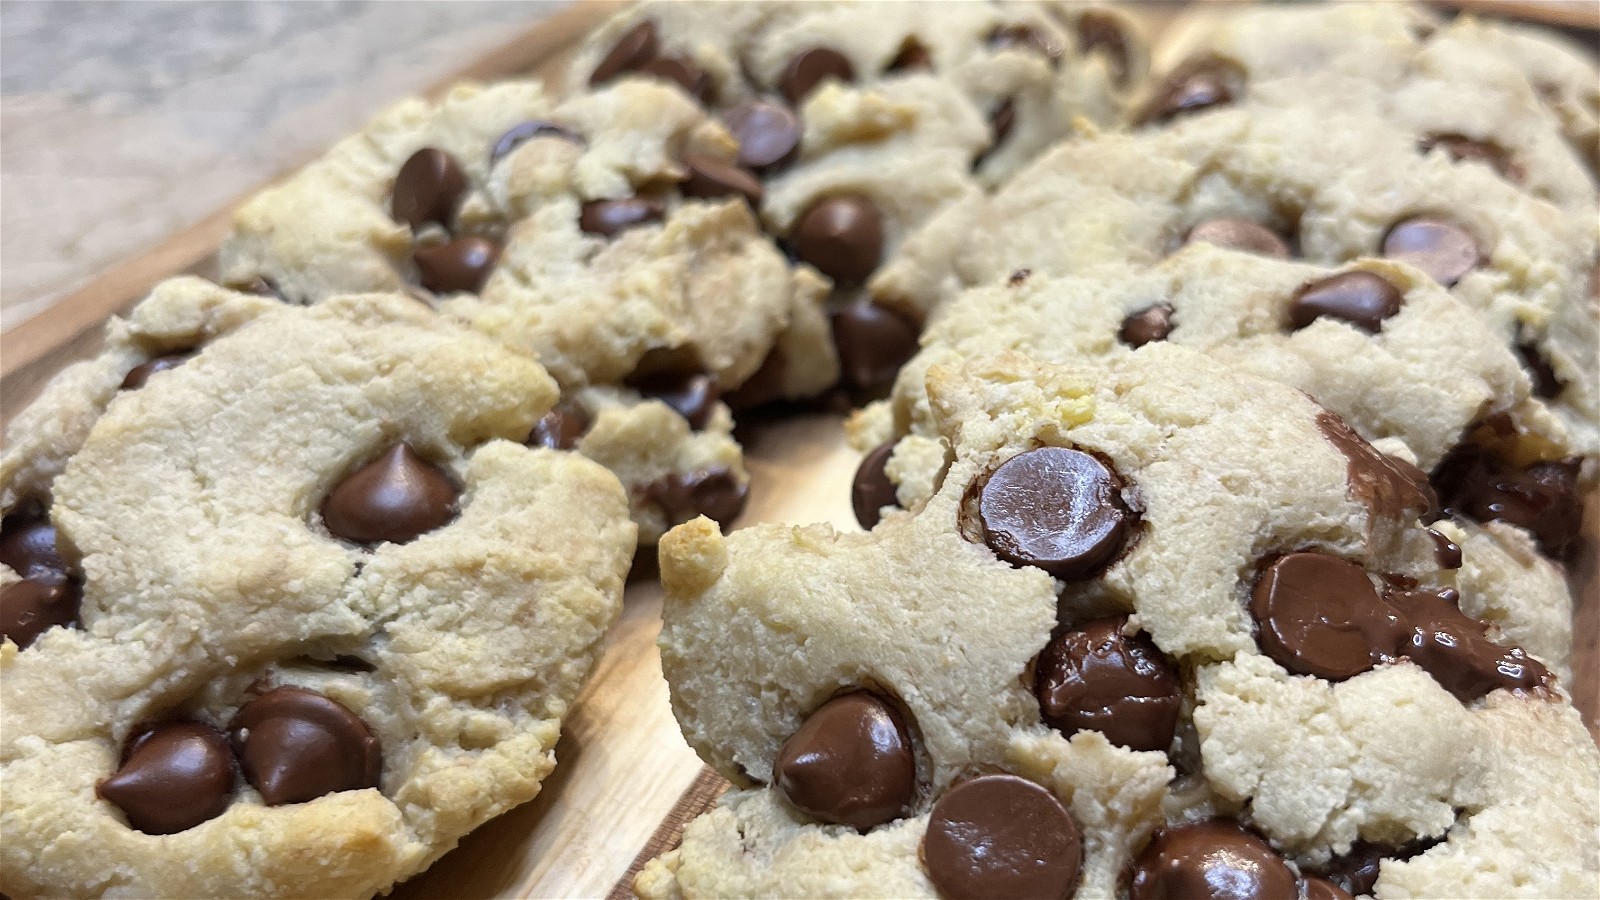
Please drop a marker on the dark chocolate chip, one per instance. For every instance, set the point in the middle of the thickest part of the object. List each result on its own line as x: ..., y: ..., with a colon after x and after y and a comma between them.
x: 141, y: 373
x: 682, y: 71
x: 521, y: 133
x: 1055, y: 508
x: 1389, y: 487
x: 850, y: 763
x: 1320, y: 615
x: 463, y: 264
x: 297, y: 745
x: 1446, y: 553
x: 1153, y: 323
x: 1441, y: 249
x: 1002, y: 836
x: 1027, y: 38
x: 1101, y: 32
x: 1213, y: 858
x: 912, y: 57
x: 1542, y: 498
x: 610, y: 217
x: 1450, y: 645
x: 809, y: 68
x: 692, y: 395
x: 764, y: 386
x: 1356, y: 871
x: 1198, y: 84
x: 174, y: 776
x: 637, y: 46
x: 1096, y: 678
x: 768, y: 134
x: 560, y: 428
x: 872, y: 490
x: 842, y: 236
x: 1464, y: 149
x: 1545, y: 382
x: 28, y: 543
x: 1361, y: 298
x: 873, y: 343
x: 713, y: 177
x: 1239, y: 234
x: 31, y: 606
x: 712, y: 492
x: 394, y: 498
x: 428, y: 188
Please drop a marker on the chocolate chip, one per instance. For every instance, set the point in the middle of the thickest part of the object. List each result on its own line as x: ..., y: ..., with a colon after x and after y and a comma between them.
x: 809, y: 68
x: 427, y: 189
x: 713, y: 177
x: 1058, y: 509
x: 174, y: 776
x: 1451, y: 646
x: 1356, y: 871
x: 1542, y: 498
x: 1101, y: 32
x: 463, y: 264
x: 1239, y: 234
x: 842, y: 236
x: 34, y: 605
x: 768, y: 134
x: 394, y: 498
x: 1388, y: 487
x: 1001, y: 122
x: 850, y: 763
x: 297, y: 745
x: 1446, y: 553
x: 1545, y: 382
x: 764, y: 386
x: 1441, y: 249
x: 141, y: 373
x: 1320, y: 615
x: 1211, y: 858
x: 521, y: 133
x: 1027, y: 38
x: 1002, y: 836
x: 28, y: 543
x: 683, y: 72
x: 873, y: 343
x: 610, y: 217
x: 912, y: 57
x: 712, y: 492
x: 1198, y: 84
x: 637, y: 46
x: 693, y: 395
x: 260, y: 285
x: 1464, y: 149
x: 1096, y: 678
x: 560, y: 428
x: 1322, y: 889
x: 1153, y: 323
x: 1360, y: 298
x: 872, y: 490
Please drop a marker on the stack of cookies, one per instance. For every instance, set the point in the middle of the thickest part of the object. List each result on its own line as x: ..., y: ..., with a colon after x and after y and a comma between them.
x: 1226, y: 406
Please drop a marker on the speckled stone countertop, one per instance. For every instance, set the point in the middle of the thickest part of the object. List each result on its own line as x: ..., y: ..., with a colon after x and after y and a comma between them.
x: 121, y: 123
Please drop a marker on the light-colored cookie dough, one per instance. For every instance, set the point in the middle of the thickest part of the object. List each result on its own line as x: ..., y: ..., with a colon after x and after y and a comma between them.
x: 192, y: 513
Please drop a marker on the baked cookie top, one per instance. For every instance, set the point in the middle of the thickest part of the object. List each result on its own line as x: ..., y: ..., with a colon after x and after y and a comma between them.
x: 303, y: 592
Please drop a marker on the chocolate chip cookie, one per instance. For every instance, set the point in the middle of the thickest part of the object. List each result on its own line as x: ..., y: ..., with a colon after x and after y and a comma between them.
x: 292, y: 615
x: 1139, y: 589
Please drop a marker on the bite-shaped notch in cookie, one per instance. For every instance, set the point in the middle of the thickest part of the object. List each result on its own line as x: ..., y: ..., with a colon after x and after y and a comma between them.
x: 1060, y: 509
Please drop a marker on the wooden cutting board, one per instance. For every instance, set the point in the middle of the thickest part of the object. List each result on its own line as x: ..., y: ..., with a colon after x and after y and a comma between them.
x: 626, y: 781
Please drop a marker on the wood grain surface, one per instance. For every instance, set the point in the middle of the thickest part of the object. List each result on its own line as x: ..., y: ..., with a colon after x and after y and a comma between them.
x: 626, y: 782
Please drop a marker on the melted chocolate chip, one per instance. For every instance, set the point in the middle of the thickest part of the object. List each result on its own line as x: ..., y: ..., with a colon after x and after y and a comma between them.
x: 1545, y: 382
x: 1441, y: 249
x: 713, y: 177
x: 1026, y: 38
x: 1058, y: 509
x: 1388, y: 487
x: 1465, y: 149
x: 842, y: 236
x: 912, y: 57
x: 611, y: 217
x: 1542, y: 498
x: 1446, y: 553
x: 1002, y: 836
x: 712, y: 492
x: 809, y: 68
x: 1153, y: 323
x: 1213, y: 858
x: 1320, y: 615
x: 850, y: 763
x: 427, y: 189
x: 394, y: 498
x: 174, y: 776
x: 33, y: 605
x: 1356, y: 871
x: 637, y: 46
x: 28, y: 544
x: 1096, y: 678
x: 873, y: 343
x: 692, y: 395
x: 1198, y: 84
x: 872, y: 490
x: 768, y: 134
x: 1239, y: 234
x: 521, y: 133
x: 683, y: 72
x: 1451, y: 646
x: 138, y: 375
x: 463, y: 264
x: 296, y: 745
x: 1361, y: 298
x: 1101, y: 32
x: 559, y: 429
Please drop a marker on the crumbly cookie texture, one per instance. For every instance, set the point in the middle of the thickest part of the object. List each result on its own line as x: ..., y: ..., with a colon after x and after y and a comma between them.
x: 1186, y: 485
x: 214, y: 521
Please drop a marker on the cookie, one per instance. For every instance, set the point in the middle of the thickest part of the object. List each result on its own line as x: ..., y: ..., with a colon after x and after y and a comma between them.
x: 307, y: 594
x: 1069, y: 634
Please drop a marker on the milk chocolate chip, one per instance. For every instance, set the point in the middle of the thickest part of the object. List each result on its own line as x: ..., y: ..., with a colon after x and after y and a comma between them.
x: 808, y: 68
x: 173, y: 776
x: 1320, y: 615
x: 1027, y: 38
x: 1097, y: 678
x: 713, y: 492
x: 1360, y: 298
x: 28, y: 543
x: 297, y: 745
x: 1239, y: 234
x: 1443, y: 250
x: 1002, y: 836
x: 1451, y: 646
x: 1198, y: 84
x: 1388, y: 487
x: 637, y: 46
x: 1465, y: 149
x: 1213, y: 858
x: 1058, y: 509
x: 611, y: 217
x: 521, y: 133
x: 682, y: 71
x: 463, y: 264
x: 1542, y: 498
x: 427, y: 189
x: 394, y: 498
x: 873, y: 343
x: 872, y: 490
x: 33, y: 605
x: 768, y: 134
x: 692, y: 395
x: 912, y: 57
x: 842, y: 236
x: 850, y: 763
x: 1153, y: 323
x: 138, y: 375
x: 713, y: 177
x: 559, y: 429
